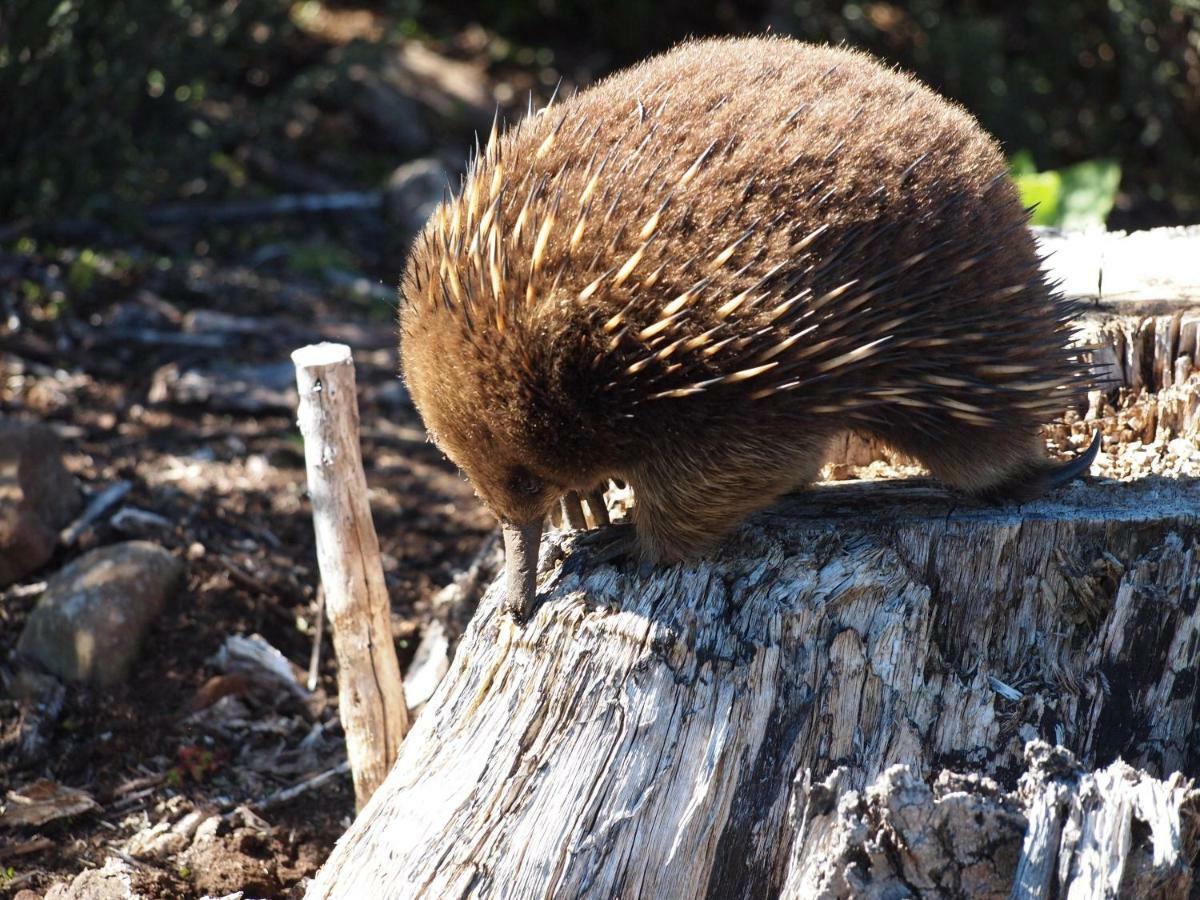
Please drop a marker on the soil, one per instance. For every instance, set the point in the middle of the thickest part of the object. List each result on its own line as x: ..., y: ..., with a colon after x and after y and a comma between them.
x: 230, y: 488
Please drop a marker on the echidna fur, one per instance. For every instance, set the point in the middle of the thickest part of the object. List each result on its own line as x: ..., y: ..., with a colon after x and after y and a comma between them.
x: 695, y: 273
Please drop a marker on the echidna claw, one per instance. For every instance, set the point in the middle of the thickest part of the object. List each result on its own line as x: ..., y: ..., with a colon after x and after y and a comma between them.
x: 607, y: 544
x: 1074, y: 468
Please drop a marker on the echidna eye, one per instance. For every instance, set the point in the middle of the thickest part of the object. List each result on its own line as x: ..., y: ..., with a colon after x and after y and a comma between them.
x: 524, y: 482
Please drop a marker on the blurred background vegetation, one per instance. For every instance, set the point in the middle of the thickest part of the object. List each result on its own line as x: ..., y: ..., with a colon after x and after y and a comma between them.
x: 111, y: 107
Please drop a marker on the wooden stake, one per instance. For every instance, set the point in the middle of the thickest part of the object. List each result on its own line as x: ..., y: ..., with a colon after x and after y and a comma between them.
x: 370, y: 692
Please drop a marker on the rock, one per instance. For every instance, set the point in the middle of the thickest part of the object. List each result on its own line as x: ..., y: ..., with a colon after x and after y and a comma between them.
x: 44, y: 801
x: 451, y: 90
x: 89, y: 622
x: 227, y: 387
x: 37, y: 497
x: 413, y: 193
x: 406, y: 96
x: 113, y: 882
x: 391, y: 114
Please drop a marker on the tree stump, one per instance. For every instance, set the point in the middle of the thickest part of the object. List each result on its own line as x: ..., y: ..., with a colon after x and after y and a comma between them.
x: 732, y: 728
x: 873, y: 689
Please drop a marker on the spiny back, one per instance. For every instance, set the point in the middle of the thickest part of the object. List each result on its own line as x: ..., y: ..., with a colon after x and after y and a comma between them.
x: 753, y: 228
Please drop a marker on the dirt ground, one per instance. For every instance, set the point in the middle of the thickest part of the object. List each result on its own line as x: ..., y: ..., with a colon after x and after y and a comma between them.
x: 159, y: 353
x: 229, y: 486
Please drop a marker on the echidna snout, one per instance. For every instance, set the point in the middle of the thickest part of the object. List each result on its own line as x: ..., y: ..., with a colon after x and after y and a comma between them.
x: 696, y: 273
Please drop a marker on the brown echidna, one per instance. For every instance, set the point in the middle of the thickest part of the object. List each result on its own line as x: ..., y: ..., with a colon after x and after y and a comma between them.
x: 693, y: 274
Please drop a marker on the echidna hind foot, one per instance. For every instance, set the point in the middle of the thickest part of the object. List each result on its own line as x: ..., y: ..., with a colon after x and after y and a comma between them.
x: 1037, y: 478
x: 994, y: 465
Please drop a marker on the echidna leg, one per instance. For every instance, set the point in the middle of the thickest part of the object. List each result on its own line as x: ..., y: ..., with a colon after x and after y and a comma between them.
x: 573, y: 511
x: 597, y: 507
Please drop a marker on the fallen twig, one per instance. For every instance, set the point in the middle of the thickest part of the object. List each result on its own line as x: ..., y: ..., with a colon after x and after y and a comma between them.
x: 156, y: 336
x: 282, y: 206
x: 131, y: 515
x: 137, y: 784
x: 247, y: 580
x: 97, y: 507
x: 17, y: 591
x: 272, y: 208
x: 290, y: 793
x: 34, y: 845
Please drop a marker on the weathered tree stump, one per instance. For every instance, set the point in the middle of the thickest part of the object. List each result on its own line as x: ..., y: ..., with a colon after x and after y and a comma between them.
x: 709, y: 730
x: 859, y: 695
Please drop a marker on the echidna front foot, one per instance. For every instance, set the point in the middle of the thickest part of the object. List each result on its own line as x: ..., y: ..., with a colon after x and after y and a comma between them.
x: 609, y: 543
x: 571, y: 511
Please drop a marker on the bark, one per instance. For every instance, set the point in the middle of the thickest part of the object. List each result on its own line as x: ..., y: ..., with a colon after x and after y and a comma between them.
x: 731, y: 728
x: 370, y: 693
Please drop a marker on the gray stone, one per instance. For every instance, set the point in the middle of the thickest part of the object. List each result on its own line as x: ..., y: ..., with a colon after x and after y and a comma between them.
x: 413, y: 193
x: 37, y: 497
x: 88, y: 624
x: 227, y: 387
x: 392, y: 115
x: 115, y: 881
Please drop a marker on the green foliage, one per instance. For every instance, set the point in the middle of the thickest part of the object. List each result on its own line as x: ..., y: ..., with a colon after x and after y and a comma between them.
x: 1078, y: 196
x: 1089, y: 190
x: 1073, y: 80
x: 314, y: 259
x: 105, y: 102
x: 110, y: 104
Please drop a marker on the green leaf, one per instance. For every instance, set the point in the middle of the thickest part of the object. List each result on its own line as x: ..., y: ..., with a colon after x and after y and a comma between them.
x: 1042, y: 190
x: 1077, y: 197
x: 1088, y: 192
x: 1022, y: 164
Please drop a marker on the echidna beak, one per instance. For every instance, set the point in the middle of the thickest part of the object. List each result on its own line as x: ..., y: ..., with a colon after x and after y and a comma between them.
x: 521, y: 544
x: 1073, y: 468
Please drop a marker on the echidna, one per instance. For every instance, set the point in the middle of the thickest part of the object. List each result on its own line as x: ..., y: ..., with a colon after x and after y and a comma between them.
x: 693, y: 274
